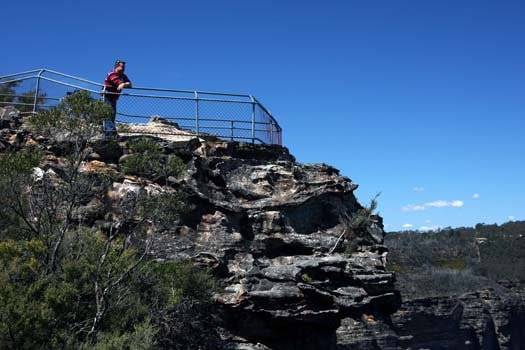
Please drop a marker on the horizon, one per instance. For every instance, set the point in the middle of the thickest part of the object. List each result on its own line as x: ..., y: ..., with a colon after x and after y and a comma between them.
x: 442, y: 229
x: 422, y: 102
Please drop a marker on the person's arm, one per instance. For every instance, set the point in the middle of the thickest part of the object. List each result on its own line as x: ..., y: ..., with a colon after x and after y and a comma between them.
x: 124, y: 85
x: 125, y: 82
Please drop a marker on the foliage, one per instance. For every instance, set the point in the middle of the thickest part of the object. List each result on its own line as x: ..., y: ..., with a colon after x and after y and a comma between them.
x: 187, y: 320
x: 145, y: 145
x: 148, y: 160
x: 53, y: 309
x: 64, y: 285
x: 363, y: 217
x: 183, y: 282
x: 78, y: 116
x: 143, y: 337
x: 141, y: 165
x: 164, y: 209
x: 15, y: 176
x: 358, y: 225
x: 56, y: 310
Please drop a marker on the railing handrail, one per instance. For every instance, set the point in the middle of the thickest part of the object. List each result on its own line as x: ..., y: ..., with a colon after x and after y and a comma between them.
x: 39, y: 74
x: 43, y: 70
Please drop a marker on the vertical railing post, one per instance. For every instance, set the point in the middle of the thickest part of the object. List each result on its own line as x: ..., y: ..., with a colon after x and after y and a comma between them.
x: 253, y: 118
x: 197, y: 113
x: 231, y: 130
x: 37, y: 88
x: 271, y: 131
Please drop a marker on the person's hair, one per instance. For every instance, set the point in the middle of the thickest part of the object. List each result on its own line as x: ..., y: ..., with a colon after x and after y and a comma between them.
x: 117, y: 62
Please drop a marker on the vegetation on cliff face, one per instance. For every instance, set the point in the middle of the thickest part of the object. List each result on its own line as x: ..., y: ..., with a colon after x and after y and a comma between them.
x: 148, y: 161
x: 454, y: 261
x: 68, y: 284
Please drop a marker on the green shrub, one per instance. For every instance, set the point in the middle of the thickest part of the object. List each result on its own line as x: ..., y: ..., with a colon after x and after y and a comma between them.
x: 356, y: 231
x: 15, y: 176
x: 141, y: 165
x: 54, y: 310
x: 147, y: 160
x: 183, y: 281
x: 144, y: 145
x: 143, y: 337
x: 174, y: 166
x: 164, y: 209
x: 78, y: 116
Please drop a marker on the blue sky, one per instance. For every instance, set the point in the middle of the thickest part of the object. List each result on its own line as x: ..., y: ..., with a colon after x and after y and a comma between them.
x: 422, y: 101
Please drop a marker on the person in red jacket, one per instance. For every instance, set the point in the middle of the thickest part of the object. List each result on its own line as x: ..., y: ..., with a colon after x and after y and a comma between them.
x: 115, y: 81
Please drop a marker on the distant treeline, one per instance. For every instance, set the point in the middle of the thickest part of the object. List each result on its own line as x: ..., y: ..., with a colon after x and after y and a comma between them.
x: 456, y: 260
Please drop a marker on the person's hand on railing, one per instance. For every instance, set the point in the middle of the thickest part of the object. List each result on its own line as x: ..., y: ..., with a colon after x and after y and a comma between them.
x: 123, y: 85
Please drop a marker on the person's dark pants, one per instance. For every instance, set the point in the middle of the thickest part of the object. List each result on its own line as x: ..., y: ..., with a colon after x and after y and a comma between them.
x: 113, y: 103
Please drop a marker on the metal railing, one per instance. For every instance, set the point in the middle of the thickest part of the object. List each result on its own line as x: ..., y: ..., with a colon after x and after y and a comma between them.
x: 227, y: 116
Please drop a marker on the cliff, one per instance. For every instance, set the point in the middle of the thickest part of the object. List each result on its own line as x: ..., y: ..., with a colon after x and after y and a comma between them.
x: 275, y: 233
x: 279, y: 236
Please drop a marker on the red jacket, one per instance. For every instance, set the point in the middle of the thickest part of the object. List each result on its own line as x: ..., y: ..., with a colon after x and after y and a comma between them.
x: 113, y: 80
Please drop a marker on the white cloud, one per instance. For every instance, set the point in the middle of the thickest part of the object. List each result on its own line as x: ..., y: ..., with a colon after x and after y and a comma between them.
x: 475, y: 195
x: 418, y: 189
x: 441, y: 204
x: 412, y: 207
x: 428, y: 221
x: 511, y: 218
x: 430, y: 228
x: 435, y: 204
x: 407, y: 226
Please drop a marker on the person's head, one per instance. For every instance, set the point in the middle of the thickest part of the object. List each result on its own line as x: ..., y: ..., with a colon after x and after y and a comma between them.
x: 120, y: 66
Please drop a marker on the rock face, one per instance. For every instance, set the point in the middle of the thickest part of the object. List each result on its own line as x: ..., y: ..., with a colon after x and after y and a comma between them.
x: 486, y: 320
x: 274, y: 232
x: 267, y: 225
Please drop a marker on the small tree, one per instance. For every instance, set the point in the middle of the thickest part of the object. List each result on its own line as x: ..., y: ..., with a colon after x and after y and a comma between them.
x: 357, y: 226
x: 78, y: 119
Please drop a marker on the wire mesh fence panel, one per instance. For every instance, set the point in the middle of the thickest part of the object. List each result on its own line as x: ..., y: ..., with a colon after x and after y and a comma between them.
x: 225, y: 119
x: 234, y: 117
x: 134, y: 112
x: 54, y: 93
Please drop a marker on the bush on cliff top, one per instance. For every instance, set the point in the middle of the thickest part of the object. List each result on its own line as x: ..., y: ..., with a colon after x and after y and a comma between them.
x: 148, y: 160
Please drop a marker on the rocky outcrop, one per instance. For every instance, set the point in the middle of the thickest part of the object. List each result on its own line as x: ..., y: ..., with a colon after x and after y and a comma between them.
x: 274, y: 232
x: 267, y: 225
